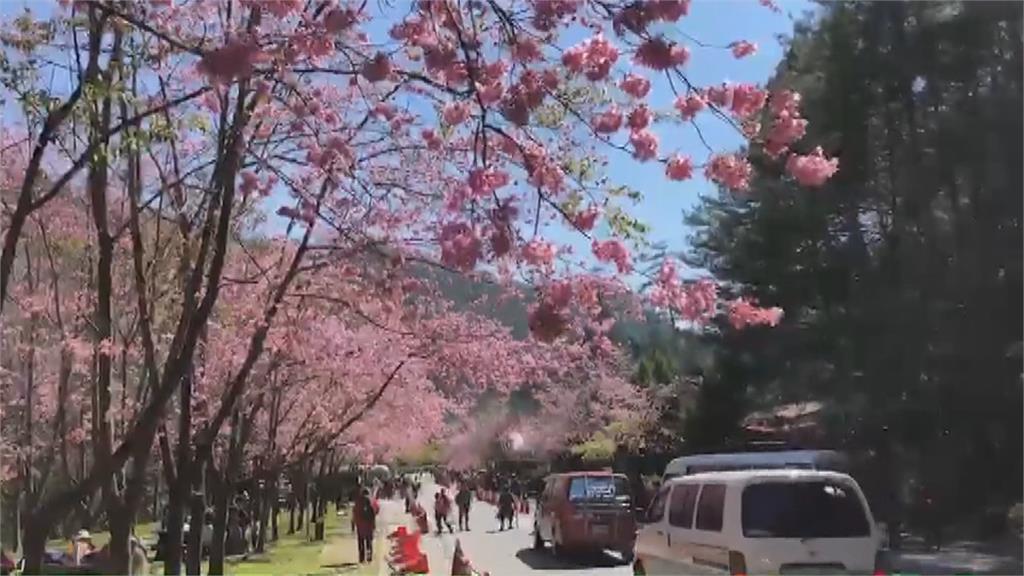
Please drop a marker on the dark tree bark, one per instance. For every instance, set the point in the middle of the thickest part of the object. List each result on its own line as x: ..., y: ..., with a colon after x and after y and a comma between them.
x: 197, y: 522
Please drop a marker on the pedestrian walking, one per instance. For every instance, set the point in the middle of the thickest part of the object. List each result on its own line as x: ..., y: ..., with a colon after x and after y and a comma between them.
x: 442, y: 508
x: 364, y: 522
x: 462, y: 500
x: 506, y: 508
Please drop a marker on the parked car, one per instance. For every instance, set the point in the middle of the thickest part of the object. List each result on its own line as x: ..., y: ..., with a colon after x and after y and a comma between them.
x: 585, y: 511
x: 759, y: 522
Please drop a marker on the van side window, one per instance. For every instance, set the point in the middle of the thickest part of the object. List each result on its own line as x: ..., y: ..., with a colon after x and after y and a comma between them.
x: 709, y: 510
x: 680, y: 512
x: 656, y: 511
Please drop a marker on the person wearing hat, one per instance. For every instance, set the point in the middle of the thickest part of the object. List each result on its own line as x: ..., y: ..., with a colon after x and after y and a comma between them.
x: 81, y: 546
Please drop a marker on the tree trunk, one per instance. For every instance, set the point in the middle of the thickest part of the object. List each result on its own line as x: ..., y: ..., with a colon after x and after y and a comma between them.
x: 197, y: 521
x: 174, y: 529
x: 178, y: 492
x: 34, y: 543
x: 221, y: 493
x: 119, y: 547
x: 273, y: 515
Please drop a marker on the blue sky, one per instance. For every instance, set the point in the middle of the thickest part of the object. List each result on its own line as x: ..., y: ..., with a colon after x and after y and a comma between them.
x: 714, y: 22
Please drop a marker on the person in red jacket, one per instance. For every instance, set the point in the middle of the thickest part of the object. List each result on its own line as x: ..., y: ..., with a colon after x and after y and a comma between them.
x: 364, y: 522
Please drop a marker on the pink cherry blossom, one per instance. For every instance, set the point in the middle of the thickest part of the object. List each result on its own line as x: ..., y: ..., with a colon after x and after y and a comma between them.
x: 548, y: 13
x: 461, y: 248
x: 640, y: 117
x: 679, y: 168
x: 785, y: 101
x: 585, y: 219
x: 484, y: 181
x: 635, y: 85
x: 235, y: 59
x: 613, y: 251
x: 729, y: 170
x: 742, y: 48
x: 575, y: 58
x: 743, y: 313
x: 431, y: 138
x: 378, y: 68
x: 721, y: 95
x: 645, y: 145
x: 338, y: 20
x: 526, y: 50
x: 249, y: 182
x: 670, y: 10
x: 785, y: 130
x: 689, y: 105
x: 594, y: 57
x: 501, y: 241
x: 539, y: 253
x: 609, y: 121
x: 546, y: 322
x: 694, y: 301
x: 491, y: 92
x: 455, y: 113
x: 747, y: 100
x: 660, y: 54
x: 812, y: 169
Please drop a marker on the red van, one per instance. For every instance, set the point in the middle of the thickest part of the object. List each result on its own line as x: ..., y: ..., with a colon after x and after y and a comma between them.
x: 585, y: 510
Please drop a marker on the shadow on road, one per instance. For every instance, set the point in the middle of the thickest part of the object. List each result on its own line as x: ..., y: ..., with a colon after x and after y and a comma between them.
x: 546, y: 560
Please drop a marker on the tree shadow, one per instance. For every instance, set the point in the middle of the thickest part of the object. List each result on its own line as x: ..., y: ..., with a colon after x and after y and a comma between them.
x: 546, y: 560
x: 342, y: 567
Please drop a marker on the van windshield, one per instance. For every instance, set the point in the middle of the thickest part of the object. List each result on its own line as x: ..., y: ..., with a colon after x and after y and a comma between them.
x: 818, y: 509
x: 598, y: 489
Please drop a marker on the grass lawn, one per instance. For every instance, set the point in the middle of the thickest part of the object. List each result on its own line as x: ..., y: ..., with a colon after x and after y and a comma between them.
x: 291, y: 554
x: 294, y: 554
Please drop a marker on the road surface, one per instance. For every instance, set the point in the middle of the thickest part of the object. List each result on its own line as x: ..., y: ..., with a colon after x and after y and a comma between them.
x: 505, y: 553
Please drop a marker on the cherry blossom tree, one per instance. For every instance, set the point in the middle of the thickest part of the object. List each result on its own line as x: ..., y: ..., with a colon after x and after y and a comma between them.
x: 456, y: 140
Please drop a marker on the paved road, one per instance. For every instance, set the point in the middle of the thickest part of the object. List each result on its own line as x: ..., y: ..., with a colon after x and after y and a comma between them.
x: 508, y: 552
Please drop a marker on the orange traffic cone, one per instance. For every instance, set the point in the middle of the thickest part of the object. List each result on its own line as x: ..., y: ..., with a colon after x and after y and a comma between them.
x: 417, y: 566
x: 460, y: 565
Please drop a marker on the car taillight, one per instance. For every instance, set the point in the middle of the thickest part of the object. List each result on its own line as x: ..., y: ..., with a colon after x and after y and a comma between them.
x: 737, y: 563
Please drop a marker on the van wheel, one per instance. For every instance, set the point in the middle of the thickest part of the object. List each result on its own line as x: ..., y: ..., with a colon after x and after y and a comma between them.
x: 538, y: 542
x: 627, y: 556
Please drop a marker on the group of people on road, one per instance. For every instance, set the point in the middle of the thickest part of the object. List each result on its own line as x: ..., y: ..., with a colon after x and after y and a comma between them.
x: 365, y: 506
x: 443, y: 507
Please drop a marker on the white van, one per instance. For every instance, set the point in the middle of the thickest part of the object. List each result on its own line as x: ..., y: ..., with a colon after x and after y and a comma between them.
x: 758, y: 522
x: 789, y: 459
